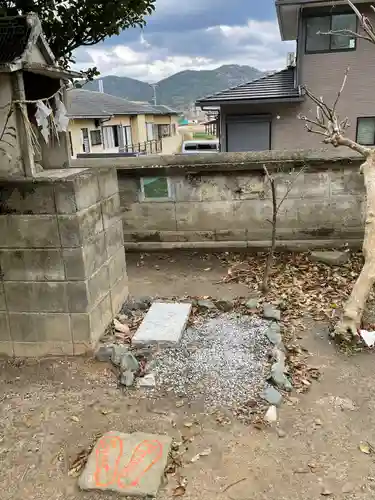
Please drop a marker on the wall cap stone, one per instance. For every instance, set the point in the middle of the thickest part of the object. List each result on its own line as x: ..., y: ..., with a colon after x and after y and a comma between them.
x: 221, y: 162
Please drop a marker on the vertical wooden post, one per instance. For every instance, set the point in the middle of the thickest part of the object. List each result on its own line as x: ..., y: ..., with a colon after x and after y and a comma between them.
x: 23, y: 131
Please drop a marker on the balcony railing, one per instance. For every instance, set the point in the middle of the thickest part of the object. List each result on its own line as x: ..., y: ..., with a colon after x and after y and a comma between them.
x: 148, y: 147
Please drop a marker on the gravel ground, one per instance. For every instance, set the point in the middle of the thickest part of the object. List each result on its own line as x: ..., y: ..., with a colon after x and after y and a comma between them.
x: 222, y: 361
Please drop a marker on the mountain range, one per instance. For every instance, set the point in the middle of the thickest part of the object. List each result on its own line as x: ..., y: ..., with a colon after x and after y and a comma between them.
x: 180, y: 90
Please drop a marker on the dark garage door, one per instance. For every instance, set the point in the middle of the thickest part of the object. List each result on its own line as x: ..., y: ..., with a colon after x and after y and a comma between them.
x: 248, y: 133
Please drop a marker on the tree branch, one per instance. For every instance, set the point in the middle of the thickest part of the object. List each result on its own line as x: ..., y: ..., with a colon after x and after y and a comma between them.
x: 341, y: 90
x: 290, y: 188
x: 345, y: 141
x: 328, y: 124
x: 344, y: 32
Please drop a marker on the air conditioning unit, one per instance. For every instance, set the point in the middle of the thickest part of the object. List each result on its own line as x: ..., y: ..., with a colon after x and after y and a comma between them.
x: 290, y: 59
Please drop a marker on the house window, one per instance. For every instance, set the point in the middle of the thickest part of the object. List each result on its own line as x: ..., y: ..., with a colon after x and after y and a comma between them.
x: 164, y: 131
x: 155, y: 188
x: 330, y: 43
x: 108, y: 139
x: 115, y: 136
x: 150, y: 131
x: 96, y: 137
x: 366, y: 131
x: 85, y: 140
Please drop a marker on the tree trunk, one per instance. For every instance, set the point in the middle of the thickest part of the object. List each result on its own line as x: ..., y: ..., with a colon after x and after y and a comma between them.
x: 269, y: 260
x: 353, y: 310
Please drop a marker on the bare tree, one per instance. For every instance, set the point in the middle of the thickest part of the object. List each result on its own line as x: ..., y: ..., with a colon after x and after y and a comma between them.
x: 328, y: 124
x: 275, y: 212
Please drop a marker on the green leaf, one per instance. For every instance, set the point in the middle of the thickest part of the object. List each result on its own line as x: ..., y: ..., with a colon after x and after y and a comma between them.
x: 77, y: 24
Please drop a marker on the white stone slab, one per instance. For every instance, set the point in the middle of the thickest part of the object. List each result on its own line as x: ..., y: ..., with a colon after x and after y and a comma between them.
x: 163, y: 324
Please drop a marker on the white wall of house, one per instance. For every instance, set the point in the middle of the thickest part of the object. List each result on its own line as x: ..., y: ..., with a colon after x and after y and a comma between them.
x: 119, y: 132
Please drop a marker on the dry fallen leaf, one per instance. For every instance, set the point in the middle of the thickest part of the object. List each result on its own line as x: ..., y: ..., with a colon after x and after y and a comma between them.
x: 365, y: 448
x: 179, y: 491
x: 306, y: 288
x: 121, y: 327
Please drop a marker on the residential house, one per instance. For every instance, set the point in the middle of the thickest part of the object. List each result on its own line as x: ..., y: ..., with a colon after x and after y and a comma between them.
x: 262, y: 114
x: 102, y: 123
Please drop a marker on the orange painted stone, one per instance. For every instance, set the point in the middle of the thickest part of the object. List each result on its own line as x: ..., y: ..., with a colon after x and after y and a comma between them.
x: 129, y: 464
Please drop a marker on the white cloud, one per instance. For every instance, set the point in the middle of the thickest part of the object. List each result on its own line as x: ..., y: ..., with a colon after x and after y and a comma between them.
x: 168, y: 7
x: 264, y: 31
x: 256, y: 43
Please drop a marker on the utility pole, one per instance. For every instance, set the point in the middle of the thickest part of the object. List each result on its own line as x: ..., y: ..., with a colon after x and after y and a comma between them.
x: 154, y: 85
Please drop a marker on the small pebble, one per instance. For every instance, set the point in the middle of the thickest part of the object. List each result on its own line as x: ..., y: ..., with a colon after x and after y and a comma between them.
x: 302, y: 471
x: 280, y: 433
x: 147, y: 381
x: 326, y: 492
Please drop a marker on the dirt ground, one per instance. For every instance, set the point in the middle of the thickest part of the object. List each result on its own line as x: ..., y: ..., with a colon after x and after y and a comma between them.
x: 52, y: 409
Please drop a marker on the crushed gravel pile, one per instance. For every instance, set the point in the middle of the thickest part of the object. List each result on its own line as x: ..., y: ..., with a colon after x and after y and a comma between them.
x: 222, y: 361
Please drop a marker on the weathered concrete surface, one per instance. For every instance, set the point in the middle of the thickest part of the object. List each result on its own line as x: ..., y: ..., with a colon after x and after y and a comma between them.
x: 163, y: 324
x: 332, y: 258
x: 128, y: 464
x: 216, y: 206
x: 62, y: 259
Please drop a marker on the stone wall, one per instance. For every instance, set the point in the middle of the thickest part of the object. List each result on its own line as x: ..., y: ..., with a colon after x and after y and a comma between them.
x: 63, y: 271
x: 224, y: 201
x: 212, y: 207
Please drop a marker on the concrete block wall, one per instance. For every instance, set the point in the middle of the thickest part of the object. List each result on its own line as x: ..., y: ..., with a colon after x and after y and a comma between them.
x: 62, y: 259
x: 223, y: 208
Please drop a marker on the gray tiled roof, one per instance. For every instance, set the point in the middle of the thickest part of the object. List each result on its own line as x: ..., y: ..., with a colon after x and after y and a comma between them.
x: 91, y: 104
x: 165, y: 110
x: 278, y: 85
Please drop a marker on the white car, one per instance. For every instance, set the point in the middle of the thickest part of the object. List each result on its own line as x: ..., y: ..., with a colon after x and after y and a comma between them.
x: 200, y: 146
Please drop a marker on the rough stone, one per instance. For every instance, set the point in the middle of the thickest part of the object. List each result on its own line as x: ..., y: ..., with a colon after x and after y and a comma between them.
x: 272, y: 396
x: 129, y: 362
x: 132, y: 304
x: 163, y: 324
x: 332, y: 258
x: 278, y: 355
x: 278, y: 376
x: 252, y: 304
x: 224, y: 305
x: 118, y: 352
x: 127, y: 378
x: 270, y: 312
x: 127, y: 464
x: 274, y: 335
x: 104, y: 353
x: 206, y: 304
x: 271, y: 415
x: 147, y: 381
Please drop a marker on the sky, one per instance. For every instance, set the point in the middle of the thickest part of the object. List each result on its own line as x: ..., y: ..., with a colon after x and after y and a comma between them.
x: 192, y: 34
